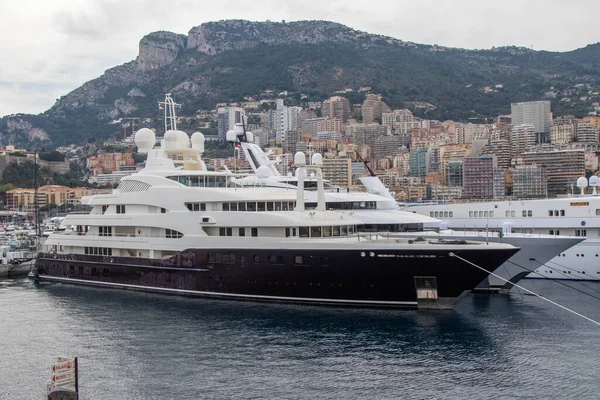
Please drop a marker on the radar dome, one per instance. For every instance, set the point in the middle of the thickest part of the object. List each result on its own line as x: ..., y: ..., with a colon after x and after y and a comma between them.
x: 300, y: 158
x: 170, y: 139
x: 317, y: 159
x: 144, y: 140
x: 183, y: 140
x: 238, y: 129
x: 594, y: 180
x: 198, y: 141
x: 249, y: 137
x: 582, y: 184
x: 230, y: 136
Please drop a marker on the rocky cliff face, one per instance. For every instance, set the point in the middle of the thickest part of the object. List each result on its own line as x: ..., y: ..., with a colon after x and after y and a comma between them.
x: 159, y: 49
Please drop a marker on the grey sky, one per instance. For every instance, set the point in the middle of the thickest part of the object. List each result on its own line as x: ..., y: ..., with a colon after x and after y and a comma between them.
x: 51, y: 47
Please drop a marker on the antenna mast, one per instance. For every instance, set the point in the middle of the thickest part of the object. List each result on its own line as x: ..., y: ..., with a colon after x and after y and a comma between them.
x: 169, y: 106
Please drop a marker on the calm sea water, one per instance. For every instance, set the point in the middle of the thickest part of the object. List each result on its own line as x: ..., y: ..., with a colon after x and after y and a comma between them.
x: 143, y: 346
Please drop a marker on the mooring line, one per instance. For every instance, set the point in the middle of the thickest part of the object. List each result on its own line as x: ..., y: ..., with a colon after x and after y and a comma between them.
x: 525, y: 289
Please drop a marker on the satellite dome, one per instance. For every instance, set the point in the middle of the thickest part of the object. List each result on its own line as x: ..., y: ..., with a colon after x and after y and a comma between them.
x: 183, y: 140
x: 317, y: 159
x: 249, y: 137
x: 238, y: 129
x: 170, y: 139
x: 198, y: 141
x: 594, y: 180
x: 230, y: 136
x: 582, y: 182
x: 144, y: 140
x: 300, y: 158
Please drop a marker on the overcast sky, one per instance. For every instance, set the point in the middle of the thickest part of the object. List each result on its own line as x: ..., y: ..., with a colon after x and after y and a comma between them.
x: 50, y: 47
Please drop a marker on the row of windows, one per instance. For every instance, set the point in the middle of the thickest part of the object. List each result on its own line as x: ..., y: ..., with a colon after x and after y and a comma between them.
x: 120, y: 208
x: 241, y: 232
x: 325, y: 231
x: 260, y: 206
x: 196, y: 206
x: 347, y: 205
x: 298, y: 260
x: 98, y: 251
x: 226, y: 258
x: 441, y: 214
x: 201, y: 181
x: 105, y: 231
x: 481, y: 214
x: 561, y: 213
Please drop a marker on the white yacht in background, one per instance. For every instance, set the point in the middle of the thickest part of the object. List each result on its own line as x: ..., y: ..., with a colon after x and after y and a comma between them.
x: 378, y: 209
x: 574, y: 216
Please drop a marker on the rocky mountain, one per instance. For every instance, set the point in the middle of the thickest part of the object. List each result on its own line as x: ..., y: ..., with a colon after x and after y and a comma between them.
x: 227, y: 60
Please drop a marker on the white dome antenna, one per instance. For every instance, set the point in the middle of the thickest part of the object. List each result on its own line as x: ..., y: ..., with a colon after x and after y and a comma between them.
x: 198, y: 140
x: 594, y: 183
x: 145, y: 140
x: 300, y: 158
x: 582, y: 183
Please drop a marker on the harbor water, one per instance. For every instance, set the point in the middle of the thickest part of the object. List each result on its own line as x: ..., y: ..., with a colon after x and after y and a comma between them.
x: 143, y: 346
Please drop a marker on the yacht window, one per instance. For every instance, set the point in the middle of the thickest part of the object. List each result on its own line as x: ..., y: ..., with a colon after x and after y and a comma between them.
x: 557, y: 232
x: 205, y: 220
x: 562, y: 213
x: 242, y: 206
x: 233, y: 206
x: 486, y: 214
x: 104, y: 208
x: 163, y: 210
x: 225, y: 206
x: 221, y: 231
x: 491, y: 213
x: 120, y: 208
x: 303, y: 231
x: 431, y: 214
x: 550, y: 213
x: 183, y: 180
x: 173, y: 234
x: 251, y: 206
x: 298, y: 260
x: 193, y: 181
x: 293, y: 231
x: 105, y: 231
x: 507, y: 213
x: 551, y: 232
x: 326, y: 231
x: 445, y: 214
x: 269, y: 206
x: 315, y: 231
x: 580, y: 232
x: 261, y: 206
x: 597, y: 211
x: 229, y: 231
x: 256, y: 259
x: 242, y: 232
x: 556, y: 213
x: 287, y: 232
x: 344, y: 230
x: 351, y: 230
x: 275, y: 259
x: 437, y: 214
x: 529, y: 213
x: 480, y: 214
x: 324, y: 261
x: 277, y: 206
x: 513, y: 213
x: 190, y: 206
x: 524, y: 212
x: 292, y: 205
x: 284, y: 206
x: 451, y: 214
x: 471, y: 214
x: 254, y: 232
x: 336, y: 230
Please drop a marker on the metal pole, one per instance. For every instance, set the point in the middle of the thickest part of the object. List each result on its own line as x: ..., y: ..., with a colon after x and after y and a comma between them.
x: 35, y: 194
x: 77, y: 377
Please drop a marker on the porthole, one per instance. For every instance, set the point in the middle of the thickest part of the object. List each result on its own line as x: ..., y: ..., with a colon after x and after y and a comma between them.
x: 583, y: 272
x: 577, y: 255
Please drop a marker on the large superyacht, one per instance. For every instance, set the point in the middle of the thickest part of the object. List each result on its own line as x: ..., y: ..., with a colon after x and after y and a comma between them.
x: 177, y: 228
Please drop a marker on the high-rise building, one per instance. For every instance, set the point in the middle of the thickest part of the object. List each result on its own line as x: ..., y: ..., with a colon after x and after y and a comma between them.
x: 336, y: 107
x: 522, y: 139
x: 386, y: 146
x: 536, y: 113
x: 365, y: 134
x: 478, y: 177
x: 563, y: 167
x: 529, y: 181
x: 586, y: 133
x: 373, y: 108
x: 338, y: 171
x: 454, y: 173
x: 418, y: 162
x: 227, y: 117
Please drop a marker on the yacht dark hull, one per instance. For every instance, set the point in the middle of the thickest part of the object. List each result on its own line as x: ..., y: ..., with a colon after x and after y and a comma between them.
x: 381, y: 278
